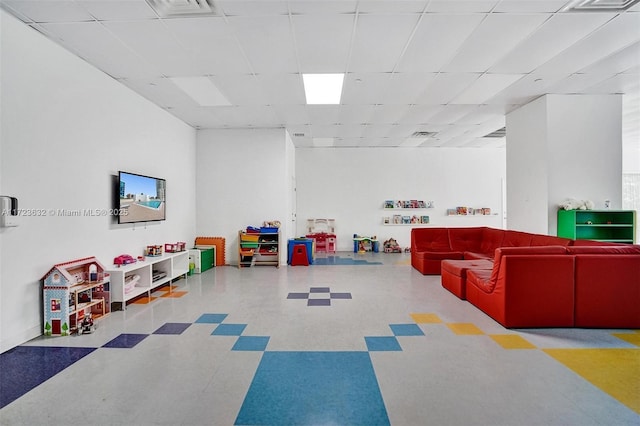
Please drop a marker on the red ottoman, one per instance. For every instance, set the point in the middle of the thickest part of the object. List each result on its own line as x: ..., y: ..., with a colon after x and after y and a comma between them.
x: 454, y: 274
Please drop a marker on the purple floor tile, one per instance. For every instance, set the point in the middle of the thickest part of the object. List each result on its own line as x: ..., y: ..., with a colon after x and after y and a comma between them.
x: 319, y: 302
x: 319, y: 290
x: 298, y: 296
x: 341, y: 295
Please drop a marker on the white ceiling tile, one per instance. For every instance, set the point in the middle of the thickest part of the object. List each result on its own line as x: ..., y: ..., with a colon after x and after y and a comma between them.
x: 378, y: 50
x: 323, y: 114
x: 529, y: 6
x: 404, y: 88
x: 253, y: 7
x: 376, y: 130
x: 554, y: 36
x: 487, y: 86
x: 526, y: 89
x: 50, y: 11
x: 493, y: 38
x: 267, y: 43
x: 449, y: 114
x: 436, y: 40
x: 482, y: 114
x: 220, y: 54
x: 389, y: 114
x: 445, y: 87
x: 161, y: 91
x: 92, y: 41
x: 323, y: 7
x: 282, y: 88
x: 152, y: 41
x: 401, y: 131
x: 355, y: 114
x: 419, y: 115
x: 395, y: 7
x: 327, y: 53
x: 348, y: 130
x: 293, y: 116
x: 625, y: 60
x: 621, y: 83
x: 461, y: 5
x: 364, y: 89
x: 618, y: 33
x: 241, y: 89
x: 577, y: 83
x: 125, y: 10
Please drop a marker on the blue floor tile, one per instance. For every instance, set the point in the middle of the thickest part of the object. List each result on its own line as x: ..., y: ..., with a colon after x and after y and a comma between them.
x: 382, y: 343
x: 25, y: 367
x: 173, y: 328
x: 319, y: 290
x: 337, y: 260
x: 319, y: 302
x: 125, y: 341
x: 298, y: 296
x: 305, y: 388
x: 251, y: 343
x: 229, y: 330
x: 341, y: 295
x: 406, y: 330
x: 211, y: 318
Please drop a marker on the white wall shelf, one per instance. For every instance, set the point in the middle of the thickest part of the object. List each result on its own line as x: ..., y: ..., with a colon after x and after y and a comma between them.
x: 167, y: 267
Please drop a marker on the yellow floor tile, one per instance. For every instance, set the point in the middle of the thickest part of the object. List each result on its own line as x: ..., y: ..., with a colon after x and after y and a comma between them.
x: 426, y: 318
x: 512, y: 341
x: 464, y: 328
x: 614, y: 371
x: 633, y: 338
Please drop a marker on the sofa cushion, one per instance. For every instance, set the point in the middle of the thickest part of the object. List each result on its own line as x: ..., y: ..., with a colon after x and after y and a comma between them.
x: 430, y: 239
x: 516, y: 239
x: 591, y: 243
x: 439, y: 255
x: 470, y: 255
x: 491, y: 240
x: 465, y: 239
x: 621, y: 249
x: 505, y: 251
x: 481, y: 278
x: 549, y: 240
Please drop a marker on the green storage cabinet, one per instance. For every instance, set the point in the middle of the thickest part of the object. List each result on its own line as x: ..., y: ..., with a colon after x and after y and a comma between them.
x: 615, y: 226
x: 204, y: 258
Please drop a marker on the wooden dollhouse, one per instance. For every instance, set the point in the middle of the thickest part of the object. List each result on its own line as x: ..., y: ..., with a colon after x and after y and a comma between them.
x: 72, y: 291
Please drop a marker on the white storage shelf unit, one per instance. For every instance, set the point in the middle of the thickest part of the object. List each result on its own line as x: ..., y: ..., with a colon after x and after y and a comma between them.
x: 169, y: 265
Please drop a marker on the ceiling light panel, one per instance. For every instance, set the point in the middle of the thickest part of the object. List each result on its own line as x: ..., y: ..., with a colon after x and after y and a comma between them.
x: 487, y: 86
x: 323, y: 89
x: 436, y: 40
x: 554, y: 36
x: 378, y: 41
x: 267, y: 42
x: 202, y: 90
x: 494, y: 38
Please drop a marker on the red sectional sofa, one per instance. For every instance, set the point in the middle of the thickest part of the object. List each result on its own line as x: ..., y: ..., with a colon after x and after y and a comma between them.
x: 534, y: 280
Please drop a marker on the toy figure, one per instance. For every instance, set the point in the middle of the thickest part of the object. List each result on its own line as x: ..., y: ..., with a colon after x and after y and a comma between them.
x: 86, y: 326
x: 392, y: 246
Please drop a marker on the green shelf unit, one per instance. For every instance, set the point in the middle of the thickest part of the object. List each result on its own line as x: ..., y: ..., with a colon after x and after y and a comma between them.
x: 615, y: 226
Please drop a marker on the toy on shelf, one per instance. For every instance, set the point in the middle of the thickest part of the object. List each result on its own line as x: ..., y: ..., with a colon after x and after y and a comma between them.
x: 175, y: 247
x: 392, y: 246
x: 155, y: 250
x: 322, y: 231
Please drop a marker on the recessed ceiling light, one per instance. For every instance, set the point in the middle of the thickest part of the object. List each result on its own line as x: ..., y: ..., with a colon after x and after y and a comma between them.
x: 323, y: 89
x: 202, y: 90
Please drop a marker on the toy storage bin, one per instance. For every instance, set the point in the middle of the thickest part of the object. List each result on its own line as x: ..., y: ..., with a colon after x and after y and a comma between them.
x: 204, y: 259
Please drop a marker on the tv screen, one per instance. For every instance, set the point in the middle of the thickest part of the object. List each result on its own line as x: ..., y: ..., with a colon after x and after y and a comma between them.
x: 142, y: 198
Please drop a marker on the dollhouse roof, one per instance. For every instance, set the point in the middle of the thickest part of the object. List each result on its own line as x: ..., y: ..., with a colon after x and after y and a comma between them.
x: 64, y: 267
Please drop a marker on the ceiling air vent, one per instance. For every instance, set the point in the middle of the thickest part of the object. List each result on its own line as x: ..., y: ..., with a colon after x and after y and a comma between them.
x: 182, y: 8
x: 599, y: 5
x: 423, y: 134
x: 500, y: 133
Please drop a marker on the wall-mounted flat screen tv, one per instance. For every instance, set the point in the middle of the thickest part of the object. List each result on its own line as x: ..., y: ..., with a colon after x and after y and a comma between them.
x: 142, y: 198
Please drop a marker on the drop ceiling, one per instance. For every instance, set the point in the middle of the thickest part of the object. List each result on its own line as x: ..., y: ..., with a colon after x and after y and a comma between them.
x: 429, y: 73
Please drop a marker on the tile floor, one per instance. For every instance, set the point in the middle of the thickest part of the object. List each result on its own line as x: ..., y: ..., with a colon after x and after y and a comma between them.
x: 359, y: 339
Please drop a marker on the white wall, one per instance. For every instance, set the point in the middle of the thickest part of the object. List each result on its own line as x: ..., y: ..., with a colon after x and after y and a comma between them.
x: 243, y: 179
x: 350, y: 185
x: 66, y: 130
x: 573, y: 140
